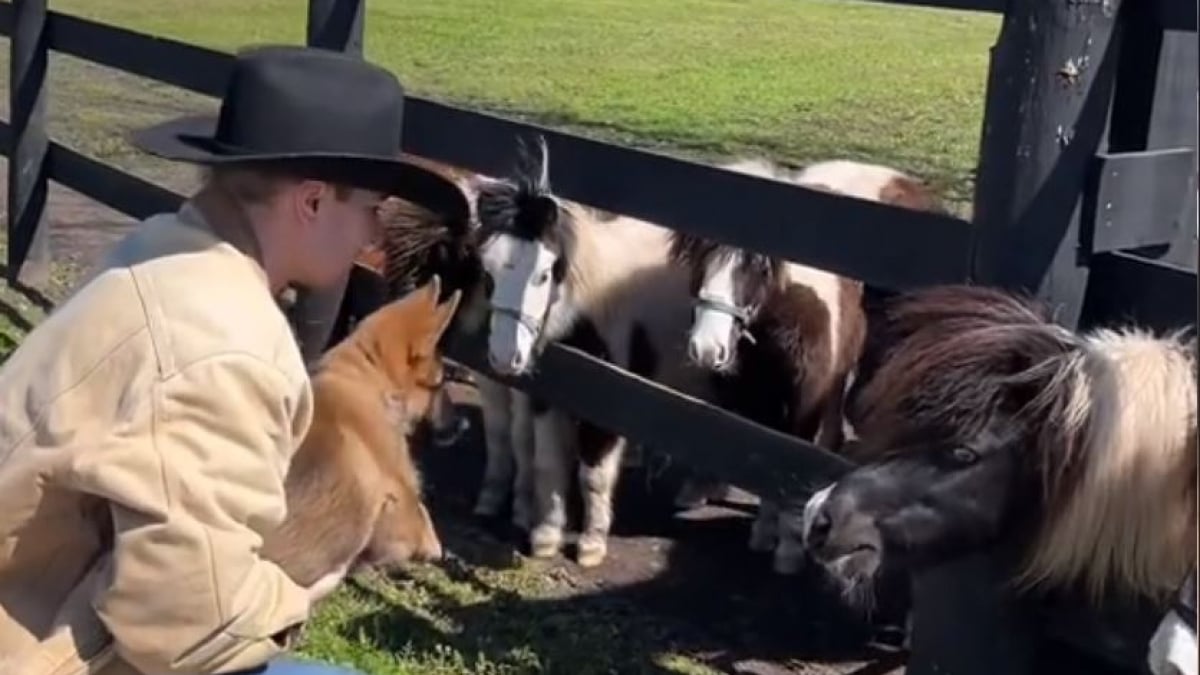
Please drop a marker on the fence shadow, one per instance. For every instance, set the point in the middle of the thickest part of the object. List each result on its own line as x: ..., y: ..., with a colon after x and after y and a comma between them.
x: 33, y: 295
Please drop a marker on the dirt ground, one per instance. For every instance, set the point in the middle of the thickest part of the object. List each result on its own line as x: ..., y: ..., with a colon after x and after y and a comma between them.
x: 692, y: 566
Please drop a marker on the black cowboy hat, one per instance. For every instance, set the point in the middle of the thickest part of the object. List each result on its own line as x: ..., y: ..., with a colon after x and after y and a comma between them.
x: 327, y: 115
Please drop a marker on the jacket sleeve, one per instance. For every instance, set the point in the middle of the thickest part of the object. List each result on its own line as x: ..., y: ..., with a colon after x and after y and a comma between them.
x: 190, y: 500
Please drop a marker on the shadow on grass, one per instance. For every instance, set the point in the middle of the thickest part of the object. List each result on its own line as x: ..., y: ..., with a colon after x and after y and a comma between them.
x: 674, y: 596
x: 33, y: 295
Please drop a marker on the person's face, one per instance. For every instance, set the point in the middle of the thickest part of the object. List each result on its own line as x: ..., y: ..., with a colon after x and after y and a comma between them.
x: 334, y: 230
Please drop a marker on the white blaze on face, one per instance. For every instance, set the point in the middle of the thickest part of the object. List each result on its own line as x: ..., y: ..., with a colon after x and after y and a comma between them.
x: 521, y: 273
x: 711, y: 341
x: 811, y: 508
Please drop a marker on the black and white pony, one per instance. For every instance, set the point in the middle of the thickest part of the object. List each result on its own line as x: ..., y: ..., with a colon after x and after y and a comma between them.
x: 783, y: 338
x: 601, y: 283
x: 986, y: 426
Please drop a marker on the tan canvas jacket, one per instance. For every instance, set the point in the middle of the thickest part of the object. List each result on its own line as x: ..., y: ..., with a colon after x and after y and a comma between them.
x: 146, y: 427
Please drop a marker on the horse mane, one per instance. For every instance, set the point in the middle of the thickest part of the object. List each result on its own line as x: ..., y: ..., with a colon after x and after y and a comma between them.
x: 1107, y: 416
x: 692, y: 249
x: 1128, y: 521
x: 598, y: 249
x: 418, y: 243
x: 936, y: 361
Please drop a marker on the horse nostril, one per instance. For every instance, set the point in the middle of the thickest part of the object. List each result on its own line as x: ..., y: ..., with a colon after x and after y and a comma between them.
x: 518, y: 360
x: 722, y: 355
x: 693, y: 351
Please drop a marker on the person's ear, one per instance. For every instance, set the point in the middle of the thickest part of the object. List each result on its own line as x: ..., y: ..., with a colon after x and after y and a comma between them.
x: 307, y: 199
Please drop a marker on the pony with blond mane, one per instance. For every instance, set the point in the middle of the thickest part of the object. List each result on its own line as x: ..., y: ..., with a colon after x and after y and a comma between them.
x: 988, y: 426
x: 599, y: 282
x: 353, y: 490
x: 784, y: 338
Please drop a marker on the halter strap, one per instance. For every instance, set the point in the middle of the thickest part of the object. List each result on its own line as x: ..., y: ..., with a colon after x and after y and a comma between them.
x: 531, y: 323
x: 741, y: 316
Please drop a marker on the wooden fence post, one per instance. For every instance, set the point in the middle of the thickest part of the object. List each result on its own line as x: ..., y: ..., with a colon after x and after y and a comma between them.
x: 1049, y: 86
x: 335, y: 25
x: 1154, y: 115
x: 28, y: 171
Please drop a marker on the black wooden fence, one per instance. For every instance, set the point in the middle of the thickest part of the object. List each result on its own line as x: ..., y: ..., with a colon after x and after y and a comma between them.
x: 1085, y: 196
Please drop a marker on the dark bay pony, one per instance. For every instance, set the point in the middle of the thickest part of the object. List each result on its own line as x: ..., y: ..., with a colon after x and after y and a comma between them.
x: 416, y: 246
x: 988, y: 426
x: 596, y: 281
x: 783, y: 338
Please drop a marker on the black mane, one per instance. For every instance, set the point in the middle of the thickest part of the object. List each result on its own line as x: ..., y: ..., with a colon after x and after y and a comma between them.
x: 522, y: 204
x: 760, y: 271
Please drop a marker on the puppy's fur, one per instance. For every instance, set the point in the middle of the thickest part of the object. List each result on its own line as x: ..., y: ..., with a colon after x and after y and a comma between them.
x: 353, y: 491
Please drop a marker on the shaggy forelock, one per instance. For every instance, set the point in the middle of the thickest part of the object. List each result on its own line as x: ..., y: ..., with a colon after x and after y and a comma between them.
x: 942, y: 361
x: 759, y: 271
x: 522, y: 204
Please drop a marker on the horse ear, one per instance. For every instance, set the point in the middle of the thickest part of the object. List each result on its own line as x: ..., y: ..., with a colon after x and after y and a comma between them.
x: 534, y: 163
x: 545, y: 211
x: 445, y: 314
x: 433, y: 288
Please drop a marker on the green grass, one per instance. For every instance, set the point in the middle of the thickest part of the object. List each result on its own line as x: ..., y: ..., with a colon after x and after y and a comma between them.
x: 798, y: 80
x: 487, y: 623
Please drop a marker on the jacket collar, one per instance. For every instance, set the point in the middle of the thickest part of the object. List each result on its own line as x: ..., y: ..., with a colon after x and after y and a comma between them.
x: 217, y: 214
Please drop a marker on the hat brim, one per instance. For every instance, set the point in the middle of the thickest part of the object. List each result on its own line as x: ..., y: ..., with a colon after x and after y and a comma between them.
x: 191, y: 139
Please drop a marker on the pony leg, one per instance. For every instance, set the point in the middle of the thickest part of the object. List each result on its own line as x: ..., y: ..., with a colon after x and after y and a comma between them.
x: 498, y: 471
x: 789, y: 552
x: 765, y: 532
x: 523, y: 453
x: 553, y: 452
x: 598, y: 474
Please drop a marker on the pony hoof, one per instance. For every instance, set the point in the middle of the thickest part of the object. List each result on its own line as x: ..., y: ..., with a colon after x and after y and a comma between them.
x: 592, y: 551
x: 545, y: 542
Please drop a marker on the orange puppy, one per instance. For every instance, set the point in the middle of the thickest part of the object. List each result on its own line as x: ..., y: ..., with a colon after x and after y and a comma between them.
x: 353, y: 491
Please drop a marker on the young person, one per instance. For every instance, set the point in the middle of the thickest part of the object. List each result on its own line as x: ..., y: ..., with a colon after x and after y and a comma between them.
x: 147, y: 424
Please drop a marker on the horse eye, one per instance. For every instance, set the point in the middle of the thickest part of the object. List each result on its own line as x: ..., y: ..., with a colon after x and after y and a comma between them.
x: 964, y: 456
x: 541, y: 278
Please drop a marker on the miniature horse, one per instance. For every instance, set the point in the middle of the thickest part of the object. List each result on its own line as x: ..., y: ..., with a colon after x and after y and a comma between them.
x: 598, y: 282
x: 353, y: 491
x: 781, y: 337
x: 989, y: 426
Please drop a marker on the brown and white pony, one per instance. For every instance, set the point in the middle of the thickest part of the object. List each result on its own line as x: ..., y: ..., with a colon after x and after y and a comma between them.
x: 989, y: 427
x: 781, y: 337
x: 602, y: 283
